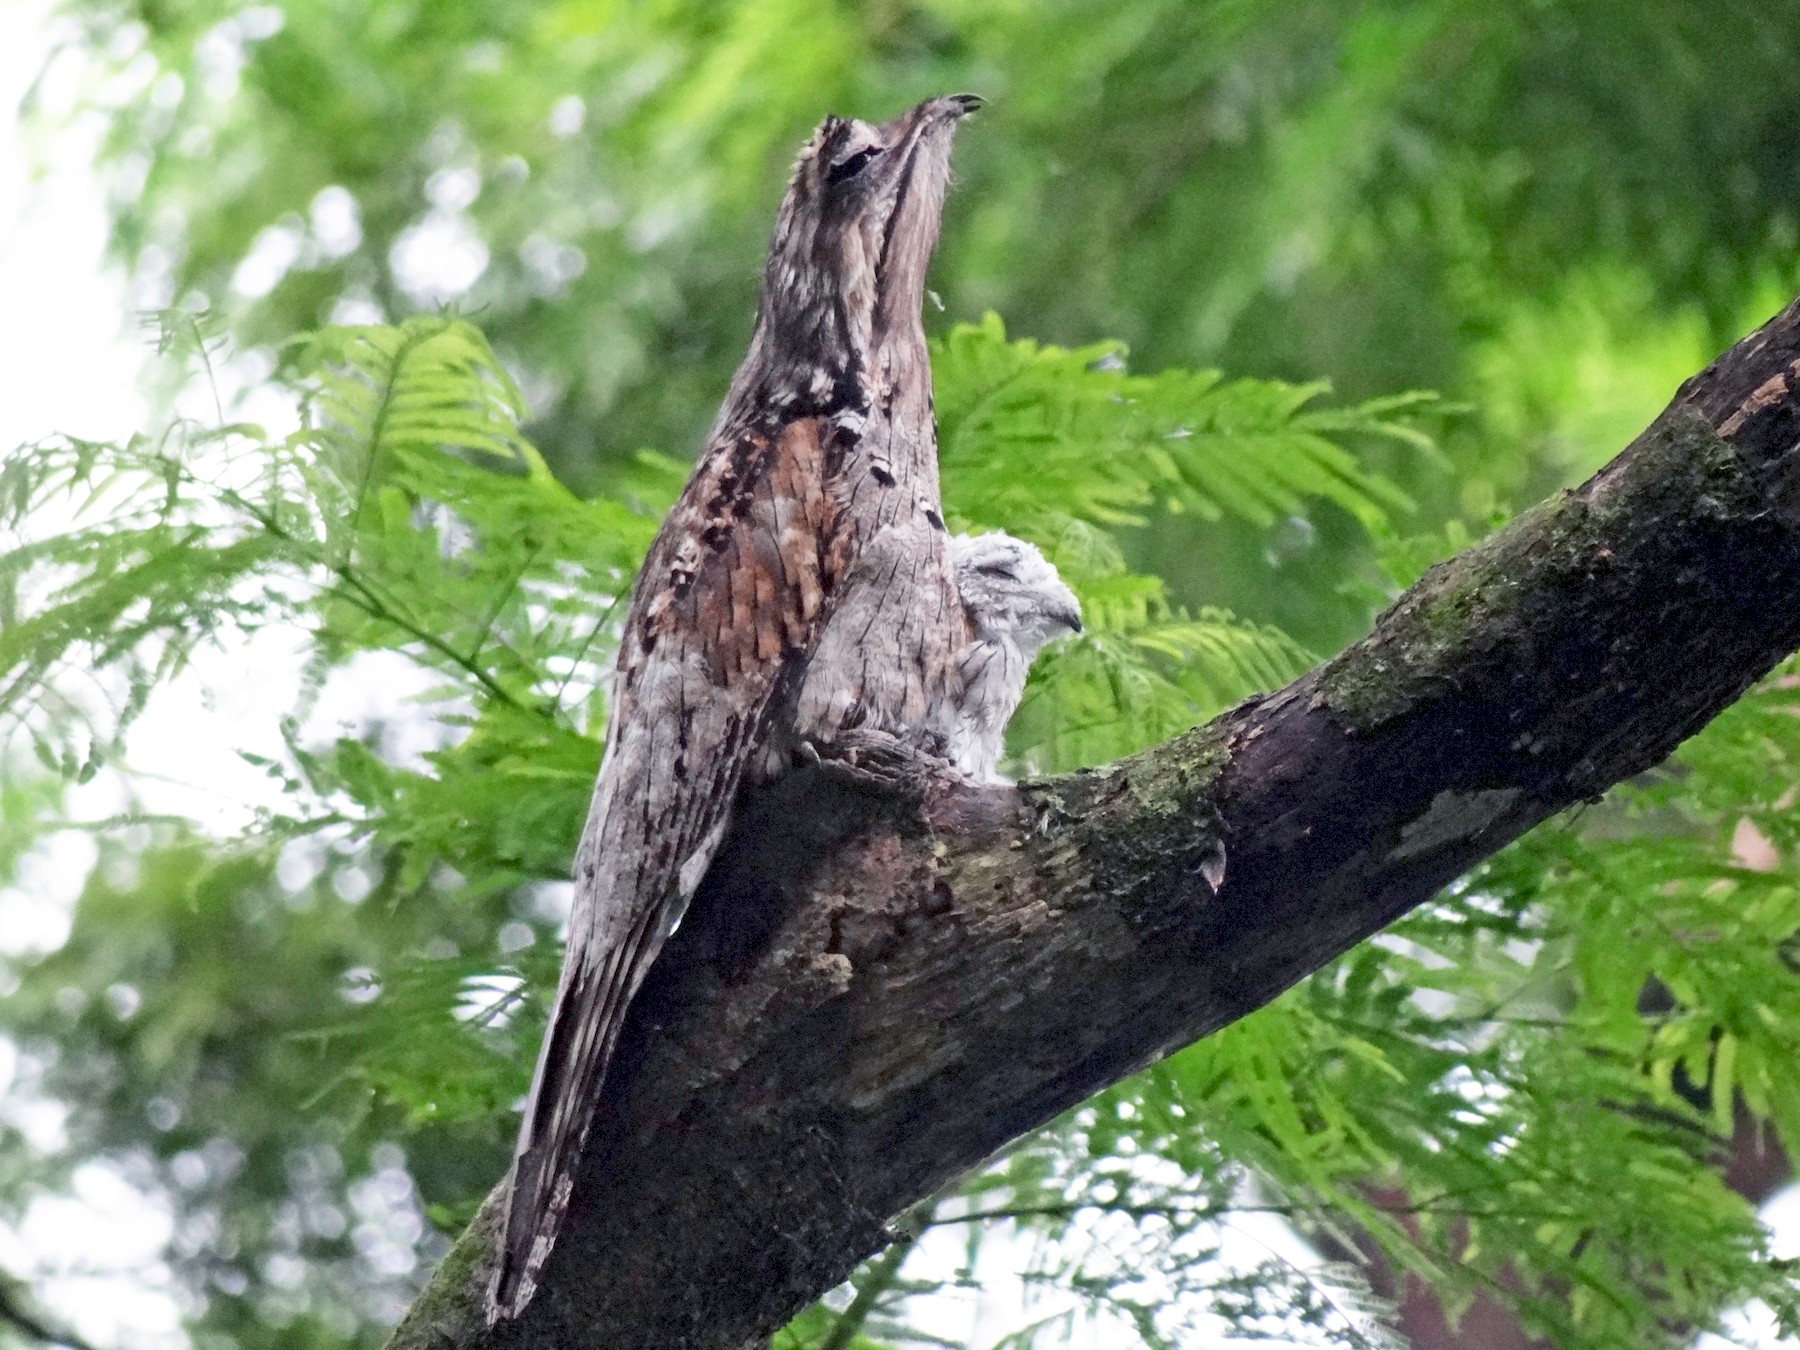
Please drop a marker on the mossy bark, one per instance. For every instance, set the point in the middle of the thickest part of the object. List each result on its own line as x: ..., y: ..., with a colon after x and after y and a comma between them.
x: 868, y: 1000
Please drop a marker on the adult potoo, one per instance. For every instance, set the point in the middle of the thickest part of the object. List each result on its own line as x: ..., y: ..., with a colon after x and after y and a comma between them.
x: 1016, y: 603
x: 800, y: 589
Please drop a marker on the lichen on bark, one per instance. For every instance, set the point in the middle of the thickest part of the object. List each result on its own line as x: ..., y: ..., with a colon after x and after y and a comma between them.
x: 453, y: 1302
x: 1155, y: 811
x: 1646, y: 519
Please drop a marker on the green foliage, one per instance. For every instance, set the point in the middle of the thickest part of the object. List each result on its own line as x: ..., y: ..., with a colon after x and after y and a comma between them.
x: 1482, y: 1093
x: 1106, y: 448
x: 1523, y: 1090
x: 1551, y: 1141
x: 406, y: 519
x: 1309, y: 186
x: 1550, y: 212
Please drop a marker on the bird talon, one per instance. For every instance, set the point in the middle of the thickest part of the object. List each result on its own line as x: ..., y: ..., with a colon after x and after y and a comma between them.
x: 872, y: 761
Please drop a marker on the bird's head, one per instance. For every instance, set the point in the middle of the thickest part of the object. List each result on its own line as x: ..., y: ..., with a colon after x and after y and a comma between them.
x: 846, y: 270
x: 1011, y: 592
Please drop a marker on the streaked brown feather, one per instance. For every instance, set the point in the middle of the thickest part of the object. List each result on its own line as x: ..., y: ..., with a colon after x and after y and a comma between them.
x: 697, y: 675
x: 791, y: 592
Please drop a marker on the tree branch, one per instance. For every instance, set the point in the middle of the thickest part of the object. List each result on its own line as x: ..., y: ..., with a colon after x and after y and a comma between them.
x: 880, y: 1278
x: 868, y: 1000
x: 15, y: 1313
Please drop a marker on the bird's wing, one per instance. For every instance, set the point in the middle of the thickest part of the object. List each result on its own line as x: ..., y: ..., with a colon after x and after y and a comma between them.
x: 725, y: 610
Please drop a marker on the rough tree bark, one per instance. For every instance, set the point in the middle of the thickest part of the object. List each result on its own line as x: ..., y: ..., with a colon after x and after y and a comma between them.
x: 870, y: 999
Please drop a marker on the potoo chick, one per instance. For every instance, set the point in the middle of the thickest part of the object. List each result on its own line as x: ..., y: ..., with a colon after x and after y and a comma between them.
x: 800, y: 592
x: 1016, y: 604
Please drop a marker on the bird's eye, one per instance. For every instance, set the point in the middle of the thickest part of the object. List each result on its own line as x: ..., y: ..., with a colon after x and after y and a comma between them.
x: 851, y: 165
x: 998, y: 570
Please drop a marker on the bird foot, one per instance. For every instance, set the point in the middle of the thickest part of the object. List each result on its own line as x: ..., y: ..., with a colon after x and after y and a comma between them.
x: 873, y: 761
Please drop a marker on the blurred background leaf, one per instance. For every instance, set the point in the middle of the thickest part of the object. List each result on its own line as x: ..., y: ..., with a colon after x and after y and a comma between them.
x: 1200, y: 258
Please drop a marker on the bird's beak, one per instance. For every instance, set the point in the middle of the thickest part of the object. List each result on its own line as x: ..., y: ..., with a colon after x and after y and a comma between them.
x: 917, y: 164
x: 1069, y: 618
x: 930, y: 116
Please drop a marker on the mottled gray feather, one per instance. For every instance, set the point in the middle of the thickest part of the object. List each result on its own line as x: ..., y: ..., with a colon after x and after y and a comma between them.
x: 1016, y: 603
x: 810, y: 528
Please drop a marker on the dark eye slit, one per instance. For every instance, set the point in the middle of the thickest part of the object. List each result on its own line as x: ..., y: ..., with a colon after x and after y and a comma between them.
x: 852, y: 165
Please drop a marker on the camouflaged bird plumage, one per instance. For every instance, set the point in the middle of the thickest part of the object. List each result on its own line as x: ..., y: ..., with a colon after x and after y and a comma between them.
x: 1016, y: 605
x: 801, y: 588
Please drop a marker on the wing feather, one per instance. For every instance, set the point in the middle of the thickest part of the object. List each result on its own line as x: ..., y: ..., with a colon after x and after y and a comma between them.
x: 727, y: 607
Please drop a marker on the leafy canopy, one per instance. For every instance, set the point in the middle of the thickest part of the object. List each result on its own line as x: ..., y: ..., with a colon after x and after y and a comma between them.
x: 304, y: 1041
x: 1482, y: 1093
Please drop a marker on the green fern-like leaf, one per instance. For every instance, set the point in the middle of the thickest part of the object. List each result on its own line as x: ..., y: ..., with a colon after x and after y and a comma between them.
x: 1105, y: 445
x: 1066, y: 447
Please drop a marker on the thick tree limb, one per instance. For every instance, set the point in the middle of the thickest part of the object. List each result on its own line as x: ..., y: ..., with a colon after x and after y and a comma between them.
x: 870, y: 1001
